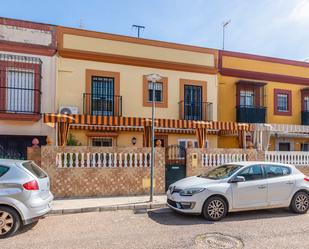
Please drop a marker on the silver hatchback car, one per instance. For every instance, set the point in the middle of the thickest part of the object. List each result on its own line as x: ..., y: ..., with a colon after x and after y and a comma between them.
x: 24, y: 195
x: 241, y: 186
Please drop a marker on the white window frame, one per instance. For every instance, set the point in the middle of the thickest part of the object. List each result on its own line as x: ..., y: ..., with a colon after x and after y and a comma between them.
x: 11, y: 93
x: 286, y: 97
x: 194, y: 141
x: 284, y: 140
x: 157, y: 86
x: 110, y: 138
x: 247, y: 96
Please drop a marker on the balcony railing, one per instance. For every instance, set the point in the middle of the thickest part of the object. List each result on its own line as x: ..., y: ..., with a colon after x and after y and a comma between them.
x: 20, y: 84
x: 189, y: 110
x: 305, y: 117
x: 102, y: 105
x: 250, y: 114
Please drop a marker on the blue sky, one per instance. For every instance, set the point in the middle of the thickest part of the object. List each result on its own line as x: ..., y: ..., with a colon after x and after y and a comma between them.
x: 278, y: 28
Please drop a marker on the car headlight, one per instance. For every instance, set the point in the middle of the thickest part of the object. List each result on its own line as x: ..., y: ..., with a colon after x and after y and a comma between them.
x: 191, y: 191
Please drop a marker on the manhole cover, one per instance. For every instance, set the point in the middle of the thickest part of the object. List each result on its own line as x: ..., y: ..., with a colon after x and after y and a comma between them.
x: 218, y: 241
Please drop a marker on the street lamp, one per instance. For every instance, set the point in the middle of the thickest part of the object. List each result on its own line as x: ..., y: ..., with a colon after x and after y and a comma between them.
x: 153, y: 78
x: 224, y: 25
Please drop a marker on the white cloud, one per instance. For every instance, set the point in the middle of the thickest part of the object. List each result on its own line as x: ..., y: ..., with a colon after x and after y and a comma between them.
x: 300, y: 13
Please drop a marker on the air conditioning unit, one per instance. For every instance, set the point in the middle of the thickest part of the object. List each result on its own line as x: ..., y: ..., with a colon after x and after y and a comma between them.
x: 68, y: 110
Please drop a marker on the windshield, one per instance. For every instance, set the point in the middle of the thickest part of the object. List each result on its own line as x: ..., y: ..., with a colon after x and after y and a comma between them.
x: 222, y: 172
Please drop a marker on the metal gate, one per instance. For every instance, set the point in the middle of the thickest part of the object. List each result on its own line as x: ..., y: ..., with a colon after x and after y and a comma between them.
x: 175, y: 164
x: 15, y: 147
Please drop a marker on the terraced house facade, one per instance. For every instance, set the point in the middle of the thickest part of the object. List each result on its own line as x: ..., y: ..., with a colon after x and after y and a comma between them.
x: 263, y: 90
x: 57, y: 80
x: 27, y: 84
x: 102, y: 84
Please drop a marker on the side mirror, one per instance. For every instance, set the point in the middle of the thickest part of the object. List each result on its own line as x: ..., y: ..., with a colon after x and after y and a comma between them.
x: 237, y: 179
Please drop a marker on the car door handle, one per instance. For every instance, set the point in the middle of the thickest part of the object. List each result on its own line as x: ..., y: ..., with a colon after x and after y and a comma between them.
x: 262, y: 187
x: 290, y: 183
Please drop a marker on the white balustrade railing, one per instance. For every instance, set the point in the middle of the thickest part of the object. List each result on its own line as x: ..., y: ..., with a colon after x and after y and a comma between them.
x: 103, y: 160
x: 298, y: 158
x: 213, y: 160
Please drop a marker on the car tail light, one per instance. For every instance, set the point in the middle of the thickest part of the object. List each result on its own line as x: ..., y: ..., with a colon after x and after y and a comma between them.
x: 306, y: 179
x: 32, y: 185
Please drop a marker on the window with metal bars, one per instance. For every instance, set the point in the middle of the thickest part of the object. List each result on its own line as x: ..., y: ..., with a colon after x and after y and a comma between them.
x: 282, y: 102
x: 102, y: 142
x: 306, y: 103
x: 157, y: 88
x: 102, y: 96
x: 20, y: 84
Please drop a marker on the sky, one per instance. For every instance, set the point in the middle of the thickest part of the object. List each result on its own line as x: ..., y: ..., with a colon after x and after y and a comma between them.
x: 277, y: 28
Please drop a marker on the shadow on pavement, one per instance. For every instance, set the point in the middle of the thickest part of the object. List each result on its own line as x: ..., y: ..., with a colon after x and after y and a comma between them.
x: 167, y: 216
x: 26, y: 228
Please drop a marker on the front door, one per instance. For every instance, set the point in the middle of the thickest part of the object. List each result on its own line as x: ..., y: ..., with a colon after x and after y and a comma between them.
x: 102, y: 96
x: 193, y: 102
x: 175, y: 164
x: 15, y: 146
x: 251, y: 193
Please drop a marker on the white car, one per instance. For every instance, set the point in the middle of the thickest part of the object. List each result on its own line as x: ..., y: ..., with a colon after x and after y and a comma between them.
x: 241, y: 186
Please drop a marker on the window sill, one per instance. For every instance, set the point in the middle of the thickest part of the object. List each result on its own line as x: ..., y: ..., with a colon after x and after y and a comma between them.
x: 20, y: 117
x: 283, y: 113
x: 157, y: 104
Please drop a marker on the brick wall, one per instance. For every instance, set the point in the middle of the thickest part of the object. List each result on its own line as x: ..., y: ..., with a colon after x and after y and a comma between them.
x: 304, y: 169
x: 81, y: 182
x: 117, y: 181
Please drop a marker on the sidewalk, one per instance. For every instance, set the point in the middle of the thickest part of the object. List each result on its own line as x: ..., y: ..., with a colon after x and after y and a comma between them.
x: 83, y: 205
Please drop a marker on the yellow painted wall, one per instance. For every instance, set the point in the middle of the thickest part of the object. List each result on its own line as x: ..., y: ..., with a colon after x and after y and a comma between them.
x: 227, y: 101
x: 124, y: 138
x: 228, y: 142
x: 227, y: 89
x: 71, y: 86
x: 296, y: 142
x: 136, y: 50
x: 264, y: 67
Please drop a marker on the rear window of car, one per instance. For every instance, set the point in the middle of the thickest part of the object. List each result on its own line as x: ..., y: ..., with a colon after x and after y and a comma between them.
x: 34, y: 169
x: 3, y: 170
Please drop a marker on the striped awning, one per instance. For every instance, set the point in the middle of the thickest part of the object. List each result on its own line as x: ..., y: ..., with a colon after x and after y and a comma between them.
x: 136, y: 129
x: 76, y: 120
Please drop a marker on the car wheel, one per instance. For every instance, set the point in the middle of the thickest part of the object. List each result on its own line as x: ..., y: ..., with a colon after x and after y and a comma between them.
x: 9, y: 222
x: 215, y: 208
x: 300, y: 203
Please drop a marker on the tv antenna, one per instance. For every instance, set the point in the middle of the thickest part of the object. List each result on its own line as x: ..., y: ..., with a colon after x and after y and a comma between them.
x: 139, y: 28
x: 81, y: 23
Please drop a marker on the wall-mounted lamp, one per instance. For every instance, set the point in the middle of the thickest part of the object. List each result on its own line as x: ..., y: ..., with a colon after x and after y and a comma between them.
x: 133, y: 140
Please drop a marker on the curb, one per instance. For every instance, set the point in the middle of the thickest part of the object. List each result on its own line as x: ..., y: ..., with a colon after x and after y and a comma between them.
x: 107, y: 208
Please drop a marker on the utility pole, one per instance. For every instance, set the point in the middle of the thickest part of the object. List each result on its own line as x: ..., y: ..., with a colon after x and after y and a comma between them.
x: 224, y: 25
x: 139, y: 28
x: 153, y: 78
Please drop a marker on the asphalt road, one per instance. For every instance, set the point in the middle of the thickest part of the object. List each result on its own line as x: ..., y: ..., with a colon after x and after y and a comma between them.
x: 162, y: 228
